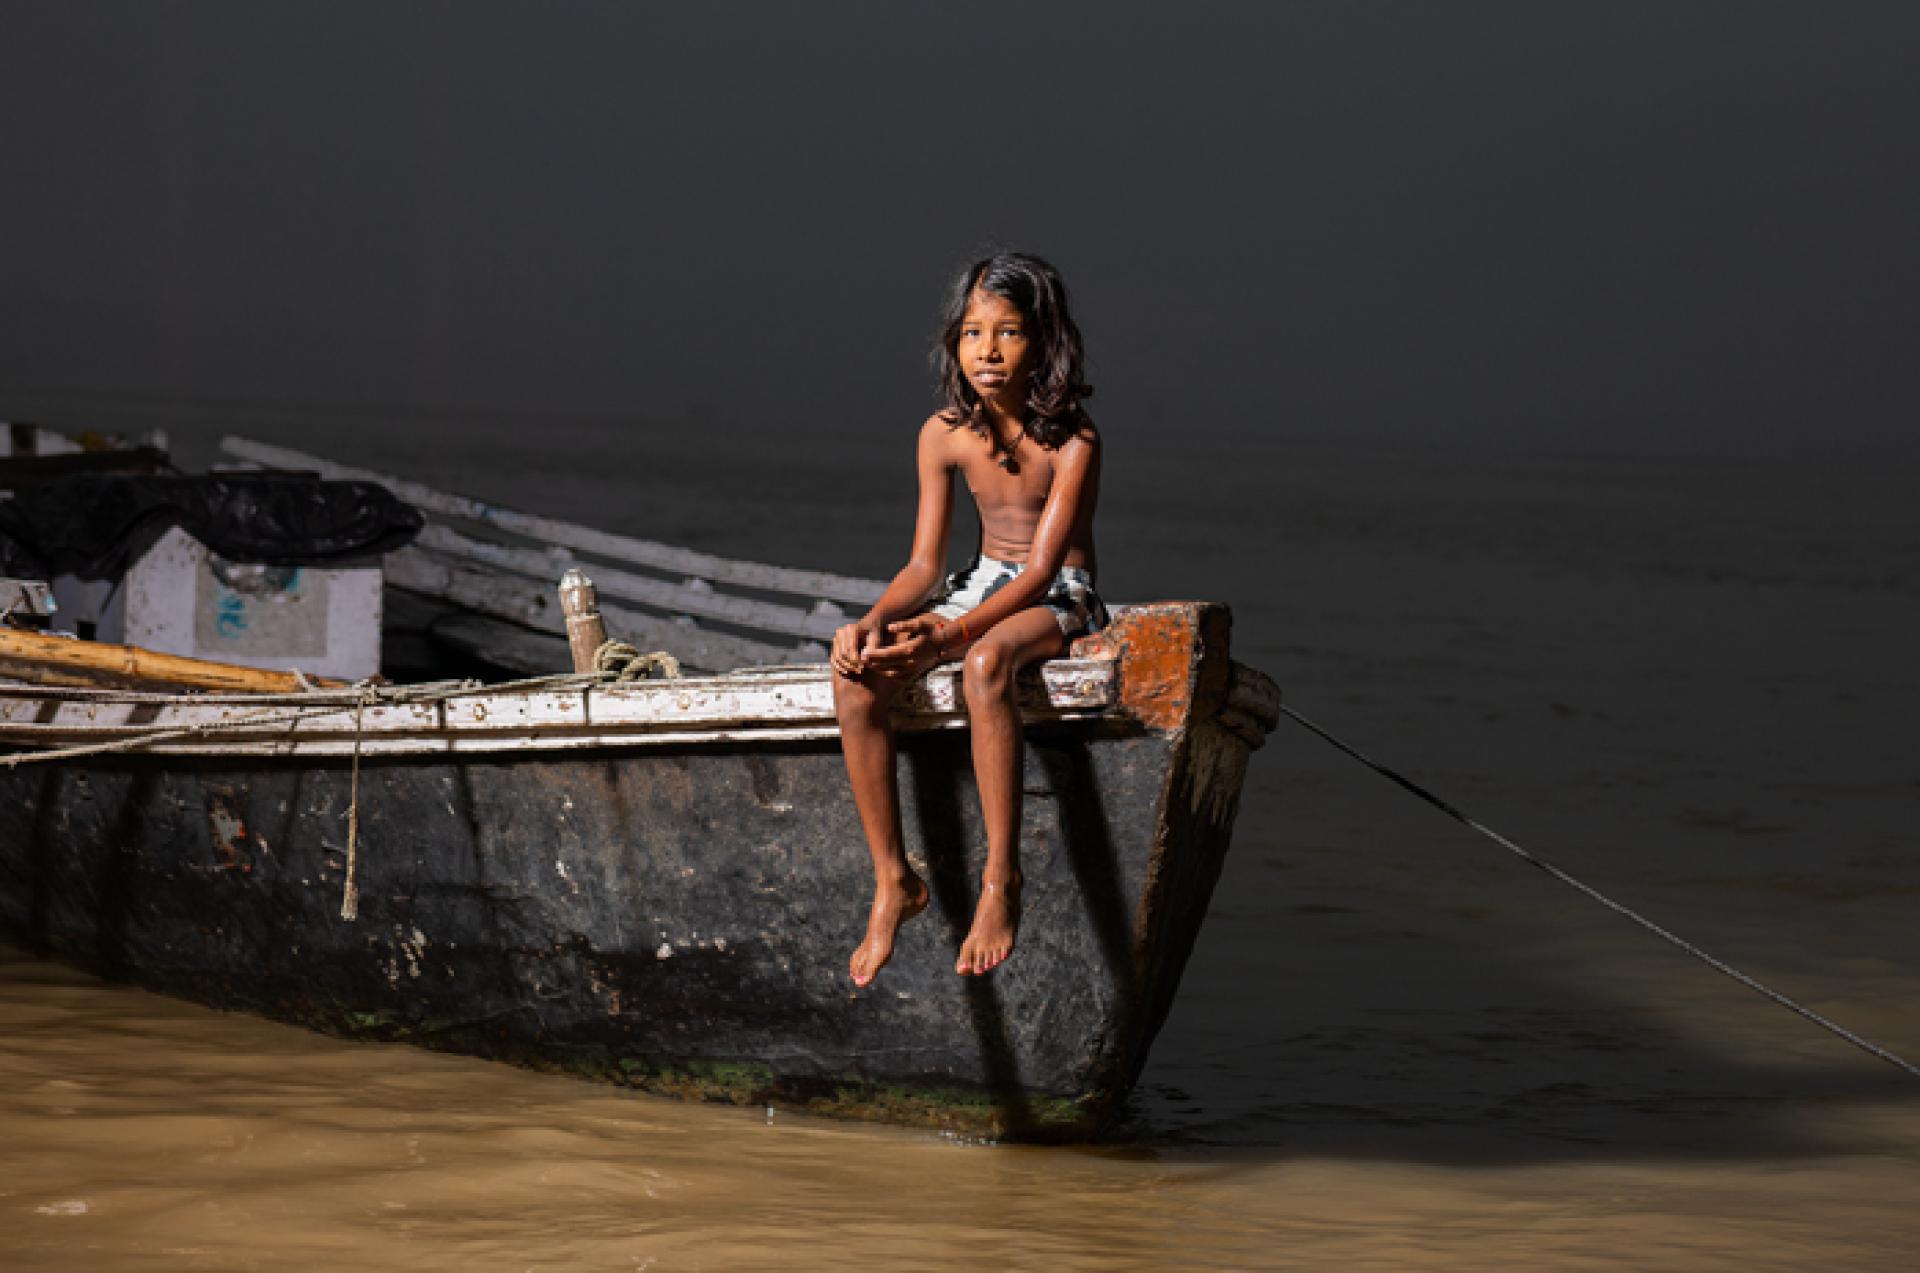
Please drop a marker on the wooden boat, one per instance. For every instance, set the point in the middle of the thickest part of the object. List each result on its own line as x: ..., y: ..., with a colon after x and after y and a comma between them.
x: 657, y: 882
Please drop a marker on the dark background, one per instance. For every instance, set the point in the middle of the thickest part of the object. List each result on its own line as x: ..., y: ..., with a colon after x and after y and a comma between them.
x: 1619, y: 228
x: 1436, y: 338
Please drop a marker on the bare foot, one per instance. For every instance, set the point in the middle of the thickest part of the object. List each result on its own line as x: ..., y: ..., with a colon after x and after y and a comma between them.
x: 894, y: 903
x: 995, y: 921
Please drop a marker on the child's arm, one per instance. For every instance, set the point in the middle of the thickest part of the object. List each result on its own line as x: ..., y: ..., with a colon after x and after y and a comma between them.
x: 925, y: 568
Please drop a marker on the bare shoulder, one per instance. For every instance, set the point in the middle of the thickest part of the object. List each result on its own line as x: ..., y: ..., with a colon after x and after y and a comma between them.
x: 1082, y: 447
x: 936, y: 436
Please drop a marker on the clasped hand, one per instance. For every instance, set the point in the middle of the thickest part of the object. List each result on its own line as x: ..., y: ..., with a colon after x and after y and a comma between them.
x: 910, y: 649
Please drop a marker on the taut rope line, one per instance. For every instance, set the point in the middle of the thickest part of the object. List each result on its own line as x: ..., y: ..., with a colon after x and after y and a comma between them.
x: 1558, y: 874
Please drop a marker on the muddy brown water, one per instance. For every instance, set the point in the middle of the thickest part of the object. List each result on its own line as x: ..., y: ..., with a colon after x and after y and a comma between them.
x: 1395, y: 1047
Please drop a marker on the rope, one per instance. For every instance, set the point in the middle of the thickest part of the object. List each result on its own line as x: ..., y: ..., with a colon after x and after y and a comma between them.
x: 1558, y: 874
x: 333, y: 703
x: 615, y: 662
x: 350, y: 892
x: 136, y: 742
x: 624, y: 661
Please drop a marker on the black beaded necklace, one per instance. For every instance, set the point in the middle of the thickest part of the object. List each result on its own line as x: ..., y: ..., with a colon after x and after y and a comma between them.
x: 1007, y: 460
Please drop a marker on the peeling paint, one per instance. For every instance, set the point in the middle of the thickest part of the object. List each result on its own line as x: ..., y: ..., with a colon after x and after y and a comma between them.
x: 661, y: 840
x: 227, y: 831
x: 412, y: 948
x: 1217, y: 766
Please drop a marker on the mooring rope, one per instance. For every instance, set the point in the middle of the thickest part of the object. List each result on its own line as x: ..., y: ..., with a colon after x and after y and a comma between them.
x: 1717, y: 965
x: 350, y: 891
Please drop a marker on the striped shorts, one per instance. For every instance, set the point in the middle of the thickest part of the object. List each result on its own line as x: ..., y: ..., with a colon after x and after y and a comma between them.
x: 1076, y: 607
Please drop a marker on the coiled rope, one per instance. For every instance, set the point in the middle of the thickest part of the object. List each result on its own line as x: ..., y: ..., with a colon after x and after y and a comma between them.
x: 1717, y: 965
x: 624, y: 661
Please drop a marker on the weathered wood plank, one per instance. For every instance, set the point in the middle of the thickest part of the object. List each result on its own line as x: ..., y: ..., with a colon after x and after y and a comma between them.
x: 501, y: 644
x: 504, y: 596
x: 763, y: 707
x: 645, y: 552
x: 661, y: 594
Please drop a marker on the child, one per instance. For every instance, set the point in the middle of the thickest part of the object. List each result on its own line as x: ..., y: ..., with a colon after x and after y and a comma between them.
x: 1010, y: 363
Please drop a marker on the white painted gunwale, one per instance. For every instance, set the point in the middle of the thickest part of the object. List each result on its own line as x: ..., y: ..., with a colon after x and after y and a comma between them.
x: 770, y: 705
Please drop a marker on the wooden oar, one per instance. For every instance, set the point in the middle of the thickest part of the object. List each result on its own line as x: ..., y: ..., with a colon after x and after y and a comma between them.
x: 51, y: 660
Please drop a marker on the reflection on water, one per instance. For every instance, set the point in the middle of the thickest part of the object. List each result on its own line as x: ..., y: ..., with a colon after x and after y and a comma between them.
x: 1395, y: 1046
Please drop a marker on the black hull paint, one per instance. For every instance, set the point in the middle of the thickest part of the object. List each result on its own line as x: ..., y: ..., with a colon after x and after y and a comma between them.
x: 676, y: 918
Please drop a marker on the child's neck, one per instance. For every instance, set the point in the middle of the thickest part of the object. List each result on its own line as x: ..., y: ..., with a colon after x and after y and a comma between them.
x: 1001, y: 422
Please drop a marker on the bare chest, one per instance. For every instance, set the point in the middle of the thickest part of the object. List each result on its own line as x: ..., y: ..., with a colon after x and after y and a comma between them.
x: 1022, y: 487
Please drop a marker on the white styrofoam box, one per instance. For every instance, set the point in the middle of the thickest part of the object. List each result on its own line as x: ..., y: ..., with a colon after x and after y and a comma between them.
x: 183, y: 599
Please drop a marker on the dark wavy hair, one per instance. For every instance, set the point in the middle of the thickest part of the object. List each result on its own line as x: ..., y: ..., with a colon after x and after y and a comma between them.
x: 1058, y: 384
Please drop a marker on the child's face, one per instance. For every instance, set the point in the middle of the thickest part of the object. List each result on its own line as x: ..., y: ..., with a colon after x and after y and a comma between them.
x: 995, y: 352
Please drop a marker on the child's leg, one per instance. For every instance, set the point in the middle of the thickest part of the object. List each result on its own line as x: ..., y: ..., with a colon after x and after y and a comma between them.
x: 866, y: 739
x: 994, y: 721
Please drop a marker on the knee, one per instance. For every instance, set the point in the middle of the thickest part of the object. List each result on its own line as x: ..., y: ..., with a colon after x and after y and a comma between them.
x: 857, y: 698
x: 987, y: 673
x: 850, y: 697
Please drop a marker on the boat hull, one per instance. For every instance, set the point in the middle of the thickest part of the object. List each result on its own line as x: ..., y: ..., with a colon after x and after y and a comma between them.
x: 676, y: 917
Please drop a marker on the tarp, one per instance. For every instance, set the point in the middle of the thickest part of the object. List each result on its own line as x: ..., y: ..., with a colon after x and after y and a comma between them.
x: 89, y: 526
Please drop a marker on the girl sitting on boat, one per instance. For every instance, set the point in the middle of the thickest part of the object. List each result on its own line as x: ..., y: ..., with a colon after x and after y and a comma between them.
x: 1010, y: 363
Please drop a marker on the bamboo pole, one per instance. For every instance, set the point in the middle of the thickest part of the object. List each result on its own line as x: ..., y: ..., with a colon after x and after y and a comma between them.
x: 51, y: 660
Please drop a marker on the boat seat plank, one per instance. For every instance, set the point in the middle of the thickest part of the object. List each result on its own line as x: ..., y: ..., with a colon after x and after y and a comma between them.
x: 499, y: 596
x: 541, y: 568
x: 683, y: 561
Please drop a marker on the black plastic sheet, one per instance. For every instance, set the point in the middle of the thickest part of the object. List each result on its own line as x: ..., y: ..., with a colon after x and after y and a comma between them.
x: 89, y: 526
